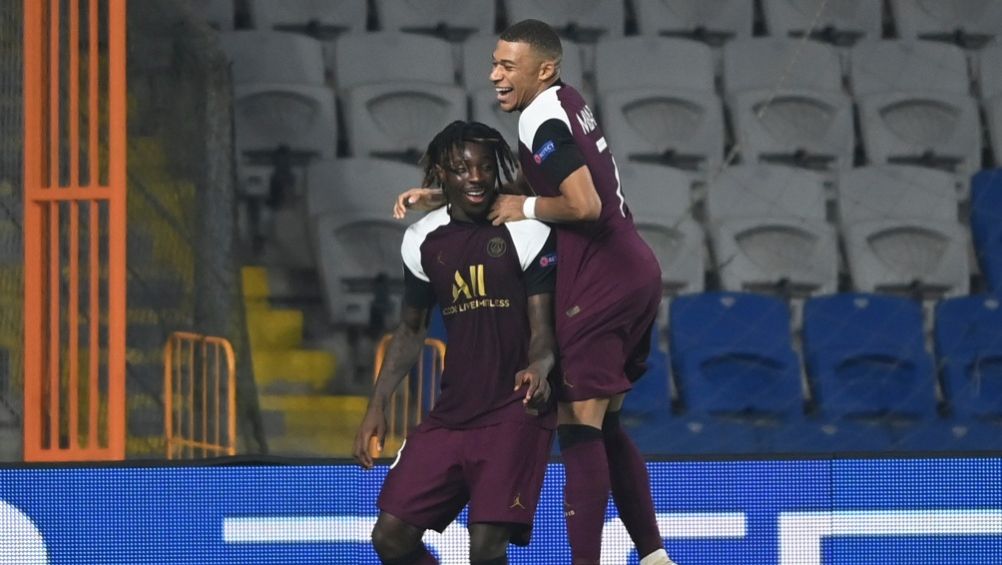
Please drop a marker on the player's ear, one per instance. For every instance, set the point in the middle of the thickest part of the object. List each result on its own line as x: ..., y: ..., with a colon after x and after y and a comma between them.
x: 440, y: 174
x: 547, y: 70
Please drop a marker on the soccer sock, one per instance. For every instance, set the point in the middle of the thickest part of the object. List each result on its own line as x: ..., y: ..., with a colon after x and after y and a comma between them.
x: 502, y: 560
x: 419, y: 556
x: 631, y: 487
x: 586, y: 490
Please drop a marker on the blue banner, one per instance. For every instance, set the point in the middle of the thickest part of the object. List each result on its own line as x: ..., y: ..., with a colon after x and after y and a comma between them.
x: 946, y: 511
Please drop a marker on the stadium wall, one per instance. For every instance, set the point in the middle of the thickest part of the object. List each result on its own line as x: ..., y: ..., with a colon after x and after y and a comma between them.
x: 944, y: 510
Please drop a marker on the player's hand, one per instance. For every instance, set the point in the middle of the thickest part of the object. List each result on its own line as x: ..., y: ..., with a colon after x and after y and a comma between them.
x: 373, y: 428
x: 537, y: 391
x: 507, y: 208
x: 420, y: 199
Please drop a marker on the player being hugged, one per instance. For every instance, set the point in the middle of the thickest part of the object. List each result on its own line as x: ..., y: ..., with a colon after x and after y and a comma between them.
x: 487, y: 440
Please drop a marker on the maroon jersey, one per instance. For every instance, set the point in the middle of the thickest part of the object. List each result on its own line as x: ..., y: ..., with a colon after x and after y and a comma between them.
x: 481, y: 276
x: 600, y: 261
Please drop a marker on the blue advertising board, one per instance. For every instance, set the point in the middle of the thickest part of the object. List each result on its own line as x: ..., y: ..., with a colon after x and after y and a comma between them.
x: 946, y: 511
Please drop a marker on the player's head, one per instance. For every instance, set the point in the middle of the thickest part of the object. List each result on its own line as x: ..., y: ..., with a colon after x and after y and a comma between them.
x: 526, y: 62
x: 465, y: 159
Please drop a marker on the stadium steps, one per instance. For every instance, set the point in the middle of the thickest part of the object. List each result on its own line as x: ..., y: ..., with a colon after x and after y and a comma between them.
x: 312, y: 425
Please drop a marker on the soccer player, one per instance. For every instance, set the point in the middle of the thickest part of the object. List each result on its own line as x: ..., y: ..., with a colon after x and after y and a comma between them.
x: 487, y: 440
x: 608, y: 285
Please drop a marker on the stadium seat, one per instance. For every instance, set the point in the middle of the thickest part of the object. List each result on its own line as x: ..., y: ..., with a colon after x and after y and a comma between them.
x: 671, y: 116
x: 302, y: 117
x: 769, y: 233
x: 786, y: 102
x: 397, y: 95
x: 842, y: 23
x: 355, y: 238
x: 989, y: 65
x: 732, y: 355
x: 583, y: 21
x: 914, y: 105
x: 652, y: 393
x: 450, y: 20
x: 986, y: 225
x: 324, y: 19
x: 871, y: 375
x: 218, y: 14
x: 659, y: 198
x: 273, y: 57
x: 969, y: 23
x: 969, y: 349
x: 901, y: 233
x: 477, y: 53
x: 710, y: 21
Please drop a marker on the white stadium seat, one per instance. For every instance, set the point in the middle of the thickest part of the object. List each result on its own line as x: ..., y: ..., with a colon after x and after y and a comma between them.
x: 787, y: 103
x: 769, y: 232
x: 299, y: 116
x: 970, y: 23
x: 901, y: 233
x: 841, y: 22
x: 324, y: 19
x: 659, y: 198
x: 354, y: 237
x: 915, y: 106
x: 273, y: 57
x: 711, y: 21
x: 445, y: 18
x: 990, y: 86
x: 669, y: 114
x: 218, y: 14
x: 583, y: 21
x: 395, y: 92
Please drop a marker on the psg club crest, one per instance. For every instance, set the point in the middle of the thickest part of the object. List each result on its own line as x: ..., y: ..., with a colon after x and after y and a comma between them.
x: 496, y: 247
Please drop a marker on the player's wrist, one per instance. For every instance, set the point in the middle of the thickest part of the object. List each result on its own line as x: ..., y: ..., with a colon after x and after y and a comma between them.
x: 529, y: 207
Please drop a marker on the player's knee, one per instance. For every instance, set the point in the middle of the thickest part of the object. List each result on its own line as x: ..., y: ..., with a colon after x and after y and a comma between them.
x: 569, y: 435
x: 489, y: 544
x: 393, y: 538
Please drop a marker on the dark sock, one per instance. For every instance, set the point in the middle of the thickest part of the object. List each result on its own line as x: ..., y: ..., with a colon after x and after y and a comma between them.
x: 500, y: 560
x: 631, y: 487
x: 419, y: 556
x: 586, y: 490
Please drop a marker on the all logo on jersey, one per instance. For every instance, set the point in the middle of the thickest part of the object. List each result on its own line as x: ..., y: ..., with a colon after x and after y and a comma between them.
x: 496, y: 247
x: 469, y: 292
x: 545, y: 151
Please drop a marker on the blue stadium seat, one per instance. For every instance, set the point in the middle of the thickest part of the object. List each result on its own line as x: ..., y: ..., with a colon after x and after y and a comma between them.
x: 866, y: 356
x: 732, y: 355
x: 652, y: 392
x: 986, y: 224
x: 969, y: 348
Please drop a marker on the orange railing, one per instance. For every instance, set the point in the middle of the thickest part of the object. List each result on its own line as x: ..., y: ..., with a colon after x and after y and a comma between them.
x: 200, y: 396
x: 74, y: 230
x: 411, y: 401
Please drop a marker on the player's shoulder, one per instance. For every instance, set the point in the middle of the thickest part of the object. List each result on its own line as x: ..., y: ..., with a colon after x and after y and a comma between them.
x: 418, y: 231
x: 527, y: 230
x: 546, y: 107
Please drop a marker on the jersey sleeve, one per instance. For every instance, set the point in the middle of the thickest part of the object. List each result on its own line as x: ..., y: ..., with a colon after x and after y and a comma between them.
x: 410, y: 251
x: 541, y: 274
x: 417, y: 293
x: 554, y: 150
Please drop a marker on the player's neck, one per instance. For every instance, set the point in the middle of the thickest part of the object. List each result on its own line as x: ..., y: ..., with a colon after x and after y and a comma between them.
x: 542, y: 88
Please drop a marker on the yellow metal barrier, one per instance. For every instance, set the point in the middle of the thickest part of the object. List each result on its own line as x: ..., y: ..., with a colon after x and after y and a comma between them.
x: 409, y: 404
x: 200, y: 400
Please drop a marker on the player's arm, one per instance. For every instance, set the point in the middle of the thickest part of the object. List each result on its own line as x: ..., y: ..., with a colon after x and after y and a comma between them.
x: 540, y: 280
x: 562, y: 162
x: 402, y: 353
x: 418, y: 199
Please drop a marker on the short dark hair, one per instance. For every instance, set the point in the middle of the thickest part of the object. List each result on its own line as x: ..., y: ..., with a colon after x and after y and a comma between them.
x: 539, y: 35
x: 449, y: 143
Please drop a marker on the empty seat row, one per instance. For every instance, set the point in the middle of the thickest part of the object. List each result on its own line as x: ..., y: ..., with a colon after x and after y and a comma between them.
x: 870, y: 382
x: 966, y: 22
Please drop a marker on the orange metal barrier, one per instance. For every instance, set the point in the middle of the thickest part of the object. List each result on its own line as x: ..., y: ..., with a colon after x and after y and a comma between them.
x: 200, y: 402
x: 406, y: 409
x: 74, y: 230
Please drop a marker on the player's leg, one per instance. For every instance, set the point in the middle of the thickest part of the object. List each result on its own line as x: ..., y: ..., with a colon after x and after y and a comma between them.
x: 489, y: 543
x: 398, y: 543
x: 587, y: 481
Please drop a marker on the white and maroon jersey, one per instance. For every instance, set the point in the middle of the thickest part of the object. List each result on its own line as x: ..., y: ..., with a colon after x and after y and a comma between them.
x: 601, y: 260
x: 481, y: 276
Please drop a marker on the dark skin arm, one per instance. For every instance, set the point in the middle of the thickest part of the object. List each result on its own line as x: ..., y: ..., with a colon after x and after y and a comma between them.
x: 578, y: 202
x: 427, y: 199
x: 542, y: 346
x: 402, y: 354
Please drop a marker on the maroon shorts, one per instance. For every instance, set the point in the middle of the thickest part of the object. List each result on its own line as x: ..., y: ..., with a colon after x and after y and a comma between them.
x: 601, y: 353
x: 497, y: 469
